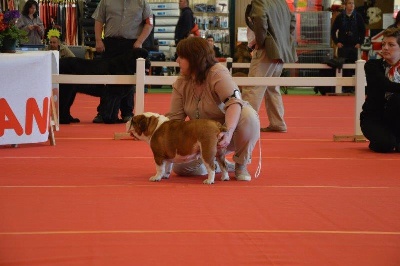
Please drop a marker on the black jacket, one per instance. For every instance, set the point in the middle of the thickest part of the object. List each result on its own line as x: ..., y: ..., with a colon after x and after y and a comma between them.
x: 377, y: 86
x: 185, y: 24
x: 351, y: 30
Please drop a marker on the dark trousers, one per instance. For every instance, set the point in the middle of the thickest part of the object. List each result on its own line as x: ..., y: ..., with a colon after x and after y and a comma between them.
x: 67, y: 94
x: 351, y: 55
x: 117, y: 96
x: 383, y: 131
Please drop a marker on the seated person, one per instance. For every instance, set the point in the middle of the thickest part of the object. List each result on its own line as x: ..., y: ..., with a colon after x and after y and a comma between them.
x: 210, y: 40
x: 55, y: 44
x: 380, y: 116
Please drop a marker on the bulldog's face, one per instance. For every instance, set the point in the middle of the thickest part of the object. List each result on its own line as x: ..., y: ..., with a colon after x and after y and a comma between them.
x: 142, y: 127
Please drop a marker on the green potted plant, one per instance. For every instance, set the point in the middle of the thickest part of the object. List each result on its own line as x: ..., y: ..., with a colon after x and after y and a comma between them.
x: 10, y: 35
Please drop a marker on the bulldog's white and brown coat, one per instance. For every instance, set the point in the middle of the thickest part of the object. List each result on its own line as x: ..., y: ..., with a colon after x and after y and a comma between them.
x: 175, y: 141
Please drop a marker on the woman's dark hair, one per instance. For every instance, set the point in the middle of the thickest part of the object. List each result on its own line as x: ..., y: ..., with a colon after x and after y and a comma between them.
x: 200, y: 55
x: 29, y: 4
x: 392, y: 32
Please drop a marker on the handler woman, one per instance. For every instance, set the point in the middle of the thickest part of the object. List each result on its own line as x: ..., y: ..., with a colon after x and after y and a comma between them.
x: 205, y: 89
x: 380, y: 117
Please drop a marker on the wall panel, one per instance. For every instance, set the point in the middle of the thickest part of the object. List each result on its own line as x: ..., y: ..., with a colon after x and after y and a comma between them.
x: 239, y: 13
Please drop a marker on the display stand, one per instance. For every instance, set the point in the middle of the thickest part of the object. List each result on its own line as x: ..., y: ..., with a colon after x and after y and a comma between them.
x: 25, y: 99
x: 166, y: 18
x: 214, y: 20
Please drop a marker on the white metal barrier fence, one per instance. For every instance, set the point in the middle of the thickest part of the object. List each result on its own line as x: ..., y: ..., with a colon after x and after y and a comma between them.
x: 141, y: 79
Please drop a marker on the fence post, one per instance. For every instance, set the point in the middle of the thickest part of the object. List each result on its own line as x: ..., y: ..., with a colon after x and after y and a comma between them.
x: 229, y: 61
x: 339, y: 74
x: 360, y: 94
x: 140, y: 80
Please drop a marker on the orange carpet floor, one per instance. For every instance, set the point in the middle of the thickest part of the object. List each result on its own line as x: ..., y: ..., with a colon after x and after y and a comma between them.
x: 88, y: 201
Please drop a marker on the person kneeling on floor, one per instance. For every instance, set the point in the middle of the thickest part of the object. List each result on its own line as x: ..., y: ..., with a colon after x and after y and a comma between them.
x: 380, y: 116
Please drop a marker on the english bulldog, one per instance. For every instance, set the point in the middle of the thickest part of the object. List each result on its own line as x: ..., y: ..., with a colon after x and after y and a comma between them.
x: 174, y: 141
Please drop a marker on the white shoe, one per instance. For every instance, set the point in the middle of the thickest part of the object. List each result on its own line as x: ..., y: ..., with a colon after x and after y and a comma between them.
x: 241, y: 172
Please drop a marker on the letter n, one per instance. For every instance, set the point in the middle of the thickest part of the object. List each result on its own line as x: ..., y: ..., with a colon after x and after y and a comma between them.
x: 32, y: 110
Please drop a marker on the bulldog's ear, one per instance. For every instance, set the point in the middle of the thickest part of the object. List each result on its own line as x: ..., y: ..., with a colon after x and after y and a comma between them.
x: 152, y: 124
x: 145, y: 125
x: 142, y: 123
x: 135, y: 124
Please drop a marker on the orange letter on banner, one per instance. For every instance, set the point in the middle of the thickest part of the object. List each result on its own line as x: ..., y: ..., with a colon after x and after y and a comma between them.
x: 32, y: 110
x: 11, y: 122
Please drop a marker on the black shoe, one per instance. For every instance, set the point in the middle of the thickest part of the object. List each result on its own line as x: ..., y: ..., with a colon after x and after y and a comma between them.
x: 74, y: 119
x: 98, y: 119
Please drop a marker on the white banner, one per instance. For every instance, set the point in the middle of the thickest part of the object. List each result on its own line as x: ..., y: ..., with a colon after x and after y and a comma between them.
x: 25, y: 91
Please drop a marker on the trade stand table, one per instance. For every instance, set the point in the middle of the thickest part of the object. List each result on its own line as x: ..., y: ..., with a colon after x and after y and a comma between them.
x: 26, y: 96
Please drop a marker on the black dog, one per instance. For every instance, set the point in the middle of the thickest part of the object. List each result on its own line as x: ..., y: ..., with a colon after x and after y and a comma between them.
x: 124, y: 64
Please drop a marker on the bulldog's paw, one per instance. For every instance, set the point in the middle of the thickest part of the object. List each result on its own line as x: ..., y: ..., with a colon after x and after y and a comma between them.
x: 166, y: 176
x: 224, y: 177
x: 155, y: 178
x: 208, y: 182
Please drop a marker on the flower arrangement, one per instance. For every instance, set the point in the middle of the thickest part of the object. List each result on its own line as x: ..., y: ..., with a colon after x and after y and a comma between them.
x: 8, y: 28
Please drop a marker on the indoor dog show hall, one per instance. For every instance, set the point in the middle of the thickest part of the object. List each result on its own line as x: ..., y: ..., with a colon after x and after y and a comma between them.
x: 79, y: 193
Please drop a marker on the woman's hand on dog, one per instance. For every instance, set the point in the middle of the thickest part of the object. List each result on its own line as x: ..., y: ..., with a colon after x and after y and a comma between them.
x: 224, y: 139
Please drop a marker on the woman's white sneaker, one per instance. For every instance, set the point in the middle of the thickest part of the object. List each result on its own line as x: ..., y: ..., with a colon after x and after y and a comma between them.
x: 241, y: 172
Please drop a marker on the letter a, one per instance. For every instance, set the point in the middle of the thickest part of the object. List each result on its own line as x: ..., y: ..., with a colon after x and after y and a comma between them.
x: 12, y: 121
